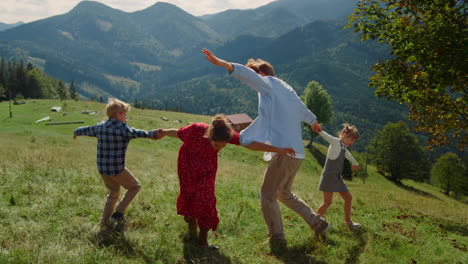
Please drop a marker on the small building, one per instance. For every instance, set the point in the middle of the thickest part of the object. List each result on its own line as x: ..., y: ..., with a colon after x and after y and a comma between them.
x: 239, y: 121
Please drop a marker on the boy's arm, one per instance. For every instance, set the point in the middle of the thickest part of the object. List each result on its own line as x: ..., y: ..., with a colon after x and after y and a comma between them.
x: 257, y: 146
x: 139, y: 133
x: 85, y: 131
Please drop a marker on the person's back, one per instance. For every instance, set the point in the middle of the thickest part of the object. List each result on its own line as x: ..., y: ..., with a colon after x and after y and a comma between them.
x: 280, y: 113
x: 113, y: 138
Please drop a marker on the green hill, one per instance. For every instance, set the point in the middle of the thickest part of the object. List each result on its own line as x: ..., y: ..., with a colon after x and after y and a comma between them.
x: 153, y: 56
x: 51, y: 199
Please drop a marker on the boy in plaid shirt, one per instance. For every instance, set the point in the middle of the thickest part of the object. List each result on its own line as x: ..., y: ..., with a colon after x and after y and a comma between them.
x: 113, y: 138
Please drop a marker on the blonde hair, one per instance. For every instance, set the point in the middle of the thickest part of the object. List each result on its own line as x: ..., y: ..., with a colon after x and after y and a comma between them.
x: 116, y: 106
x: 261, y: 65
x: 349, y: 131
x: 219, y: 129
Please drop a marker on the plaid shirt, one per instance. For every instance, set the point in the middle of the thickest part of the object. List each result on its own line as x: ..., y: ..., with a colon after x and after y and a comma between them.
x: 113, y: 138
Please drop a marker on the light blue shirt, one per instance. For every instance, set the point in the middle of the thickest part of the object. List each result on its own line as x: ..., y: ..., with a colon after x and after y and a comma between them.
x: 280, y: 113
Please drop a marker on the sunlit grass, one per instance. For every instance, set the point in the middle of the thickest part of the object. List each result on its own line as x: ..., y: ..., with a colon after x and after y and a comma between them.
x: 51, y: 198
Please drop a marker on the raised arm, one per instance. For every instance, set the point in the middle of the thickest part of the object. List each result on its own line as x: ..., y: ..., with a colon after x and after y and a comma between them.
x: 257, y: 146
x: 217, y: 61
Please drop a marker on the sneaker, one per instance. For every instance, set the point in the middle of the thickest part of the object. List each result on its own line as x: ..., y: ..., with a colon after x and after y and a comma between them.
x: 353, y: 226
x: 322, y: 228
x: 117, y: 217
x: 210, y: 247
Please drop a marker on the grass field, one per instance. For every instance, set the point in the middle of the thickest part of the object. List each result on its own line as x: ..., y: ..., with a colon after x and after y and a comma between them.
x: 51, y: 198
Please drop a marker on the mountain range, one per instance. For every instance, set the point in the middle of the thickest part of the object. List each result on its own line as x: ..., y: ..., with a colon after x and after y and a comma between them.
x: 153, y: 55
x: 5, y: 26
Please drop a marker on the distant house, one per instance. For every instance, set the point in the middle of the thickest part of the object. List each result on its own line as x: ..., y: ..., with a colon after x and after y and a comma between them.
x: 239, y: 121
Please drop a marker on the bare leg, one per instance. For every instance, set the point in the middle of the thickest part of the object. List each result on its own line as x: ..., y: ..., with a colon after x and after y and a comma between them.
x: 192, y: 226
x: 203, y: 237
x: 327, y: 200
x: 348, y: 198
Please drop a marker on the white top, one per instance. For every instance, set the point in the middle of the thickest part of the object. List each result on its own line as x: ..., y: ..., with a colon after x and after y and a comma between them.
x: 335, y: 148
x: 280, y: 113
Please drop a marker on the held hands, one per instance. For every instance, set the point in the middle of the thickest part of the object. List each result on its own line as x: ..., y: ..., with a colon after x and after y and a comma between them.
x: 287, y: 151
x: 316, y: 127
x: 157, y: 134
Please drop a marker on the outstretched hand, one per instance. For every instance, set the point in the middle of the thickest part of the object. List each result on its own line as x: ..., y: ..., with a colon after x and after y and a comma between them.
x: 217, y: 61
x: 211, y: 57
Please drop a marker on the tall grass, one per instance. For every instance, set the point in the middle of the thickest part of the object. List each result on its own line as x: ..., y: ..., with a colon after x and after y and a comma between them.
x: 51, y: 198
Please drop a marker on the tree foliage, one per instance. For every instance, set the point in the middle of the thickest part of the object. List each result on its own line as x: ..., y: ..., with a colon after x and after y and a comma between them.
x: 20, y: 81
x: 318, y: 101
x: 449, y: 173
x: 397, y: 154
x: 428, y: 68
x: 73, y: 92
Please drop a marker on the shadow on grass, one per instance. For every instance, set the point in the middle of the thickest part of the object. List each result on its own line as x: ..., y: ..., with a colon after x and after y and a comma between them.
x: 411, y: 189
x: 319, y: 156
x: 113, y: 238
x: 195, y: 254
x: 298, y: 254
x: 305, y: 253
x: 355, y: 251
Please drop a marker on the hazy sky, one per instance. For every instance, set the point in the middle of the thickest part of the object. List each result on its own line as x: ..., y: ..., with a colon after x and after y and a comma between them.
x: 12, y: 11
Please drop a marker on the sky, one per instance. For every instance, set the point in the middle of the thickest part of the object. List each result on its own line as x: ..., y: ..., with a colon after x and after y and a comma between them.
x: 13, y: 11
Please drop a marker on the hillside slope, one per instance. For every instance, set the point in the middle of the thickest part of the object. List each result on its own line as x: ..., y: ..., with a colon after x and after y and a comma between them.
x: 51, y: 198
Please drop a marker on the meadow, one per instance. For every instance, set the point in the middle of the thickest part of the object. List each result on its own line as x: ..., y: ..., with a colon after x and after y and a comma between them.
x: 51, y: 198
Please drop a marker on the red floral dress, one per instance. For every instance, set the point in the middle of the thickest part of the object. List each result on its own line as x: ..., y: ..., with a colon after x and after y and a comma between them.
x: 196, y: 166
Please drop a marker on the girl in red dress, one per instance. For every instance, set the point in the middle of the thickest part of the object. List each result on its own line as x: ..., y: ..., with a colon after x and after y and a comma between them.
x: 197, y: 165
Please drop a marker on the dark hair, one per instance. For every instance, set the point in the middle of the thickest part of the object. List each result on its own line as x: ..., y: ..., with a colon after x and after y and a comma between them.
x: 219, y: 129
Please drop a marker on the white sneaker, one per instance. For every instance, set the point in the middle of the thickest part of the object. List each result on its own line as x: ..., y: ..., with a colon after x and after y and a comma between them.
x: 353, y: 226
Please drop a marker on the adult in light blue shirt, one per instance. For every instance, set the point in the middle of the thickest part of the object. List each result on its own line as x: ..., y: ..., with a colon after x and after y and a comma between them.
x: 280, y: 115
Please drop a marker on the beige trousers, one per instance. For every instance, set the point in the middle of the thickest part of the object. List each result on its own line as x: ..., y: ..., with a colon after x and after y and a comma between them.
x: 277, y: 183
x: 113, y: 183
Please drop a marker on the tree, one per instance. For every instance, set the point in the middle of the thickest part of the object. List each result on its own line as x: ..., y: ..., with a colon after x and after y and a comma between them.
x: 317, y: 99
x: 21, y: 80
x: 3, y: 78
x: 449, y: 174
x: 428, y: 68
x: 73, y: 93
x: 3, y: 93
x: 397, y: 154
x: 62, y: 91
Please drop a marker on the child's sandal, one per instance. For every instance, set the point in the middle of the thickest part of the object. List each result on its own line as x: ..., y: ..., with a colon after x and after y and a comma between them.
x: 210, y: 247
